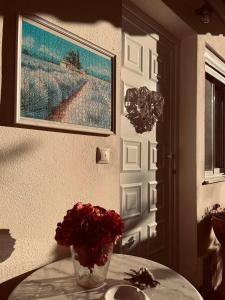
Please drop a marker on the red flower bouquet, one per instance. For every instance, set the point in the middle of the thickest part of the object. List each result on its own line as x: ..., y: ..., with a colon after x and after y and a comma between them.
x: 91, y: 230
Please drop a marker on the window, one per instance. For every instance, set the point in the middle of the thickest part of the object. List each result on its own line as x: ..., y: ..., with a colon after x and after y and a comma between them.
x: 214, y: 126
x: 214, y: 117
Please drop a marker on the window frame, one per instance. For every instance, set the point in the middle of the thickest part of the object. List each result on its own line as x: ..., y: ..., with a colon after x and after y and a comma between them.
x: 215, y: 71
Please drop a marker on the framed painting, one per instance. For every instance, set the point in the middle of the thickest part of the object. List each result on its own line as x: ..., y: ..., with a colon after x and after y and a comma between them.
x: 63, y: 81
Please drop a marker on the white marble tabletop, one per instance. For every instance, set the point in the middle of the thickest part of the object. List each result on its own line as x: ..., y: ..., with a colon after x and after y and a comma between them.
x: 56, y: 281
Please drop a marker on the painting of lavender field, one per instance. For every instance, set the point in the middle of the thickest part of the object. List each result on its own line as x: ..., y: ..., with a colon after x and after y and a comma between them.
x: 63, y: 80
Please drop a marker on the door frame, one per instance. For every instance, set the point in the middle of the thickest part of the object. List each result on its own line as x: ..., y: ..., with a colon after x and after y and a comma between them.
x: 136, y: 16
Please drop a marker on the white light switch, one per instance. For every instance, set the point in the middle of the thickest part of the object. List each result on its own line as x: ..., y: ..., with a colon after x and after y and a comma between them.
x: 102, y: 155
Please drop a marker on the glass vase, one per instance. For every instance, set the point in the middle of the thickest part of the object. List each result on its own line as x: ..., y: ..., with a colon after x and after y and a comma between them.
x: 90, y: 278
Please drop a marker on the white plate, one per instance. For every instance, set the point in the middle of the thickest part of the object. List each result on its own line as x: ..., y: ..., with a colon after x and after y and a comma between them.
x: 125, y: 292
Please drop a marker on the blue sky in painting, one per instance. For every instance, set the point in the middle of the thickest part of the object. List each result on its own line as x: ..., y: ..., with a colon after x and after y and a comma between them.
x: 50, y: 47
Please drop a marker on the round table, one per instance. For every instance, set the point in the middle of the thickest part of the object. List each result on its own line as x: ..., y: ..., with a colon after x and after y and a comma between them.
x: 56, y: 281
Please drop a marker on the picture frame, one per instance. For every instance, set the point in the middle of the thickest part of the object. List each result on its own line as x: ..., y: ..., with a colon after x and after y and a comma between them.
x: 62, y: 80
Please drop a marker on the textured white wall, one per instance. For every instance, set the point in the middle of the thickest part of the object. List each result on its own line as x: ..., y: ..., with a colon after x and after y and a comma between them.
x: 1, y: 30
x: 43, y: 173
x: 195, y: 235
x: 207, y: 195
x: 212, y: 193
x: 187, y: 158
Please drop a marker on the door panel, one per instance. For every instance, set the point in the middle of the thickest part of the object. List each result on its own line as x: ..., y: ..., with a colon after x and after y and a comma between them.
x: 146, y: 164
x: 131, y: 155
x: 133, y: 54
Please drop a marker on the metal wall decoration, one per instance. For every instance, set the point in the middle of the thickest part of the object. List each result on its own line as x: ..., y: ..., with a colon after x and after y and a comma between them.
x: 144, y: 108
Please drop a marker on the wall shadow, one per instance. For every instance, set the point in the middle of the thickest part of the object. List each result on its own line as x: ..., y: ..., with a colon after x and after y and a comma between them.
x: 7, y: 287
x: 204, y: 228
x: 60, y: 252
x: 210, y: 254
x: 73, y: 11
x: 8, y: 154
x: 7, y: 243
x: 59, y: 286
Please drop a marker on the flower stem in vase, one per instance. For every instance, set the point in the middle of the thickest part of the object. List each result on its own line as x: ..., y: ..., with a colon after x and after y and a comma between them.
x: 90, y: 277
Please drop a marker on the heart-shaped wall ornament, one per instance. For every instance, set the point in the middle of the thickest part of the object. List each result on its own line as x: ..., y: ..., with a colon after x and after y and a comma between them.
x: 144, y: 108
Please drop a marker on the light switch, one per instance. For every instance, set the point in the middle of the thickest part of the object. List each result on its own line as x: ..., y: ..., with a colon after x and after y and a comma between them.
x: 102, y: 155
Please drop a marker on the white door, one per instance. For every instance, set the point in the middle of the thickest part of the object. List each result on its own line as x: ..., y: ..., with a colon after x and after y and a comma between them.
x: 148, y: 173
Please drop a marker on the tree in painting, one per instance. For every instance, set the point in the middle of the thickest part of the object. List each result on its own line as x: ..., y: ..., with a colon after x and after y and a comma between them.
x: 73, y: 58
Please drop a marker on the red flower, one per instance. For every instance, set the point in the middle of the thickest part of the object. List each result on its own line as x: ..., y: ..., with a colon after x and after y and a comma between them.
x: 91, y: 230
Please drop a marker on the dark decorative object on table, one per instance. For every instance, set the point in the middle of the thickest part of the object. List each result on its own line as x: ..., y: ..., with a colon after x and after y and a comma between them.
x: 144, y: 108
x: 142, y: 278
